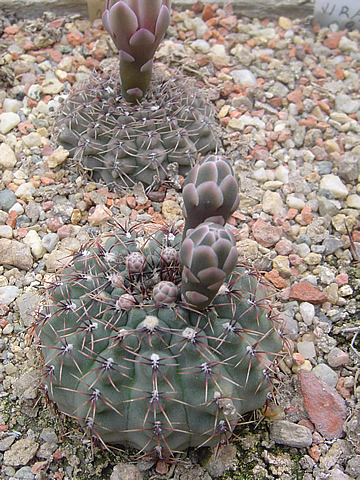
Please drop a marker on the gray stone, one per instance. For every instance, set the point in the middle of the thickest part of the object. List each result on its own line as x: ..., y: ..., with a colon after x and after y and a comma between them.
x: 243, y: 77
x: 290, y: 434
x: 221, y: 460
x: 332, y: 244
x: 344, y: 103
x: 49, y: 241
x: 349, y: 167
x: 28, y: 303
x: 324, y: 167
x: 48, y: 435
x: 6, y: 231
x: 7, y: 199
x: 21, y: 452
x: 279, y: 90
x: 25, y: 473
x: 8, y: 294
x: 328, y: 207
x: 123, y: 471
x: 6, y: 442
x: 326, y: 374
x: 15, y: 253
x: 299, y: 136
x: 353, y: 466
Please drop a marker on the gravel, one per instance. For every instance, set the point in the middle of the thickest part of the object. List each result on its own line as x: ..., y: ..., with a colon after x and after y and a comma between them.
x: 286, y: 95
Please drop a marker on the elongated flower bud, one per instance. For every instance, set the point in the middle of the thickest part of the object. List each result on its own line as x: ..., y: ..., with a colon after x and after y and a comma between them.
x: 210, y: 193
x: 136, y: 27
x: 208, y: 255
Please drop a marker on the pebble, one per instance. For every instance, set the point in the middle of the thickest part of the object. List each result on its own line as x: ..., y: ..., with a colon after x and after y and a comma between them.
x: 7, y: 156
x: 57, y: 157
x: 307, y: 311
x: 306, y: 349
x: 8, y: 121
x: 243, y: 77
x: 49, y: 241
x: 290, y: 434
x: 326, y: 374
x: 8, y: 294
x: 32, y: 140
x: 266, y: 234
x: 7, y: 199
x: 334, y: 185
x: 337, y: 358
x: 33, y: 240
x: 325, y: 407
x: 15, y: 253
x: 305, y: 292
x: 21, y: 452
x: 6, y: 231
x: 272, y: 203
x: 11, y: 105
x: 27, y: 189
x: 124, y: 471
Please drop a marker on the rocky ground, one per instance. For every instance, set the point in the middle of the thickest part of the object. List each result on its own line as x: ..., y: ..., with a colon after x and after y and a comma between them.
x: 288, y: 109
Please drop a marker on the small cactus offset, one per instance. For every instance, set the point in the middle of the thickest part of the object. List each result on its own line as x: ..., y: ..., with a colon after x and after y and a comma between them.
x: 123, y: 144
x: 157, y: 341
x: 121, y: 128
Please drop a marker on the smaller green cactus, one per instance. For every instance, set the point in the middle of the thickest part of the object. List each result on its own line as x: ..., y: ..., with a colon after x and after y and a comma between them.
x: 122, y: 144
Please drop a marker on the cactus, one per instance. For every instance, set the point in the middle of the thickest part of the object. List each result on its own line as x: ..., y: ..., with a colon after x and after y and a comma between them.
x: 137, y: 357
x: 119, y: 133
x: 123, y: 144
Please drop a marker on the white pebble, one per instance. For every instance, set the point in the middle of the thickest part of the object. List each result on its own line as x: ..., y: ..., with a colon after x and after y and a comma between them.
x: 8, y: 120
x: 8, y: 294
x: 32, y: 140
x: 282, y: 174
x: 6, y: 231
x: 11, y: 105
x: 18, y: 208
x: 33, y: 240
x: 243, y: 77
x: 7, y: 156
x: 333, y: 184
x: 200, y: 46
x: 8, y: 329
x: 307, y: 311
x: 293, y: 201
x: 26, y: 189
x: 353, y: 201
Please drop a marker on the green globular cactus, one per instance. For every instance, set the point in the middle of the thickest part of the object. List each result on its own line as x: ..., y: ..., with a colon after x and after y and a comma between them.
x: 137, y: 360
x: 122, y: 144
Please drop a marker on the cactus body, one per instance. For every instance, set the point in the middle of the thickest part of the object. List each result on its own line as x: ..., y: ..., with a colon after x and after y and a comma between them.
x: 123, y: 144
x: 157, y: 341
x: 149, y: 372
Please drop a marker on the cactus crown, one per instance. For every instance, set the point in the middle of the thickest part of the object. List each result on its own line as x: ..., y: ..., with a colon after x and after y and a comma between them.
x: 158, y: 341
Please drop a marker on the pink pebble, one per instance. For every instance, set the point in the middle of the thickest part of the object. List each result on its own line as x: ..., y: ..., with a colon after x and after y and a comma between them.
x: 342, y: 279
